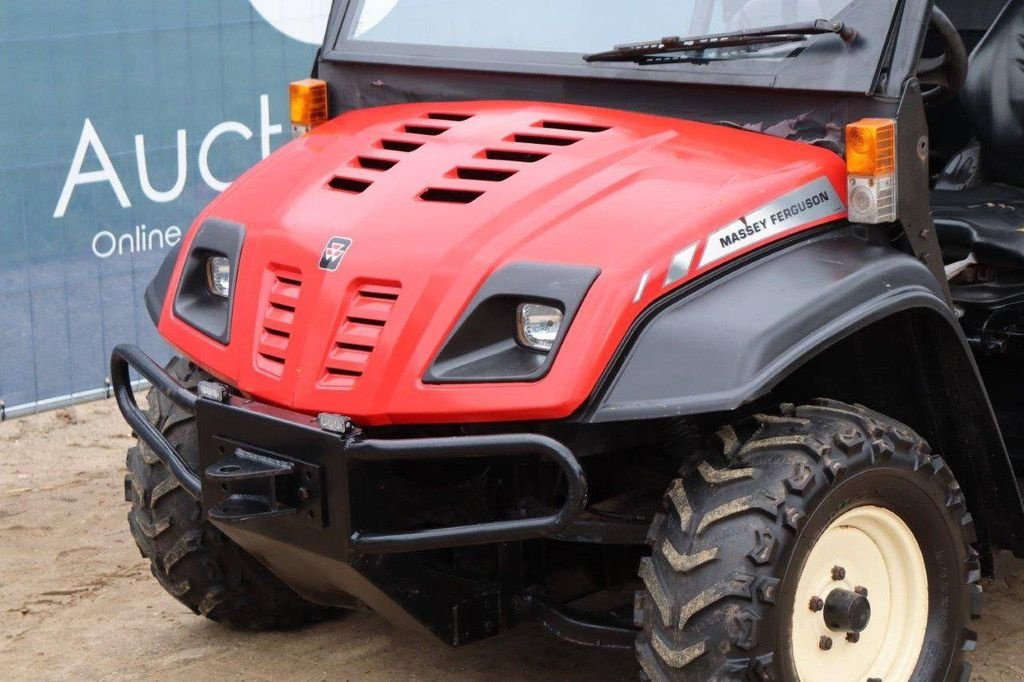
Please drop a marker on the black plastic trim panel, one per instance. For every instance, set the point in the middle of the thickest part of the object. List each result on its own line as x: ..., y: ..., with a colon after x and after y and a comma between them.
x: 156, y: 292
x: 194, y: 304
x: 483, y: 347
x: 733, y: 339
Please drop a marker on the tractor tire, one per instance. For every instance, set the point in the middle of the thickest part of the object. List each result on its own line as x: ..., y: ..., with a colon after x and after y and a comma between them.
x: 193, y: 561
x: 825, y: 543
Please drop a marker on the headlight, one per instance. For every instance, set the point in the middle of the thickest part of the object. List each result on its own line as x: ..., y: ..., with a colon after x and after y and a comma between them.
x: 538, y: 325
x: 218, y: 276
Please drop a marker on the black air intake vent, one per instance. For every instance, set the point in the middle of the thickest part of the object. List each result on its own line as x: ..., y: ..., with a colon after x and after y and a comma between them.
x: 443, y: 116
x: 416, y: 129
x: 577, y: 127
x: 529, y: 138
x: 373, y: 163
x: 485, y: 174
x: 450, y: 196
x: 351, y: 185
x: 400, y: 145
x: 512, y: 155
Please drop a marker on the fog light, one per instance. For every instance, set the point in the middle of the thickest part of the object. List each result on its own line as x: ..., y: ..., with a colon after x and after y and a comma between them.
x: 211, y: 390
x: 218, y: 276
x: 538, y: 325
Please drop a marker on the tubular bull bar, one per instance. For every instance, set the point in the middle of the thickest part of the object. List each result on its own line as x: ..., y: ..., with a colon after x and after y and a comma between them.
x: 291, y: 483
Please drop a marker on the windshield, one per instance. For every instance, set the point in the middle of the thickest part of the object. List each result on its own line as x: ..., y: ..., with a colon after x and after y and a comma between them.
x: 568, y: 26
x: 551, y: 38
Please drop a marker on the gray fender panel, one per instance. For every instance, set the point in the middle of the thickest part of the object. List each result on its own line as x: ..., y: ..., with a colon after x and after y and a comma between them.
x: 731, y: 340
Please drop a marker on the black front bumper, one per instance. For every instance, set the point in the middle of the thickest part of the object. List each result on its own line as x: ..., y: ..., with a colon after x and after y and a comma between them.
x: 264, y: 464
x: 278, y: 484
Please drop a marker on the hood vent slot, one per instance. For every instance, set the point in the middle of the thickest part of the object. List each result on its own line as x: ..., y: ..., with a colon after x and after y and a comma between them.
x: 485, y: 174
x: 366, y: 321
x: 450, y: 196
x: 442, y: 116
x: 576, y: 127
x: 350, y: 185
x: 527, y: 138
x: 400, y: 145
x: 357, y: 347
x: 373, y: 163
x: 280, y: 300
x: 359, y: 335
x: 383, y: 293
x: 424, y: 130
x: 510, y: 155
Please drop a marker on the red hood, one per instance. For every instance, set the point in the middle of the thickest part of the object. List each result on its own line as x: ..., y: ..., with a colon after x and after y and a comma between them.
x: 538, y: 182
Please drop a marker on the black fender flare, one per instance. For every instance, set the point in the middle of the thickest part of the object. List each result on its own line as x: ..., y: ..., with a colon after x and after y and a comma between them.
x: 731, y: 338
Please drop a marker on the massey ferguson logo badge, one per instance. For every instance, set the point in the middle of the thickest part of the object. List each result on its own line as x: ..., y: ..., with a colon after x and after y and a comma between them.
x: 335, y: 250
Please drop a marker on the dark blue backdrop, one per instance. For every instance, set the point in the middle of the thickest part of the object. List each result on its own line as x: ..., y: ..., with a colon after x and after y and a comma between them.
x: 95, y: 183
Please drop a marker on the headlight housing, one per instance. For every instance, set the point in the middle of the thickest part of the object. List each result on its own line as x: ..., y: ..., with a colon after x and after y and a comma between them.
x: 512, y: 329
x: 538, y: 325
x: 218, y: 276
x: 207, y: 281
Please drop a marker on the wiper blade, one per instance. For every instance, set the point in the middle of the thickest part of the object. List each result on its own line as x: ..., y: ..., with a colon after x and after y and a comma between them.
x: 639, y: 52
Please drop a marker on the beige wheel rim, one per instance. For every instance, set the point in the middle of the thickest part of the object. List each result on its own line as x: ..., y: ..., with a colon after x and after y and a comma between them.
x: 868, y: 551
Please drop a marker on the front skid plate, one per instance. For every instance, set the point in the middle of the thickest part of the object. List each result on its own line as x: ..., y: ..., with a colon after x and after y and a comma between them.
x: 304, y: 537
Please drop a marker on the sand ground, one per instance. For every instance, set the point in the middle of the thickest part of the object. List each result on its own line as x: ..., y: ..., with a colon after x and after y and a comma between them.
x: 77, y: 601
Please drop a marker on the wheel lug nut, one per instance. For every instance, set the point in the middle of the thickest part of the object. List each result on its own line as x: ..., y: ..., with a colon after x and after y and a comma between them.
x: 838, y: 573
x: 825, y: 643
x: 816, y: 604
x: 852, y: 637
x: 862, y: 591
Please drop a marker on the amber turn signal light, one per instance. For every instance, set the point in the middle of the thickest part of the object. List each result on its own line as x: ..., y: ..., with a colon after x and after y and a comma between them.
x: 308, y: 105
x: 871, y: 168
x: 871, y: 147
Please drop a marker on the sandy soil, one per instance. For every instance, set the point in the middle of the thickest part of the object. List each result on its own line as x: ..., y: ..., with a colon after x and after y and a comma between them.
x: 77, y: 601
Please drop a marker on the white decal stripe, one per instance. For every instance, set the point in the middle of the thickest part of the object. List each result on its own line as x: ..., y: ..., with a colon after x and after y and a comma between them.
x: 810, y: 203
x: 680, y: 266
x: 643, y: 285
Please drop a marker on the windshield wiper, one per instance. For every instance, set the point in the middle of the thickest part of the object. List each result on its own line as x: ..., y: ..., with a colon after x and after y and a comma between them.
x: 646, y: 53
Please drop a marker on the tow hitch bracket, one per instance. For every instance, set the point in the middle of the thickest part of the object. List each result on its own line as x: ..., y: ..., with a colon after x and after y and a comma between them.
x: 260, y: 486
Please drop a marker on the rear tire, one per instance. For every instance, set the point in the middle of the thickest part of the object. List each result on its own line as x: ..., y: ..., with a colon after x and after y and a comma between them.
x: 193, y: 561
x: 733, y: 556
